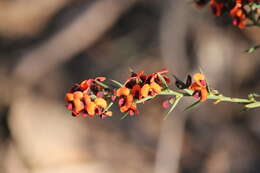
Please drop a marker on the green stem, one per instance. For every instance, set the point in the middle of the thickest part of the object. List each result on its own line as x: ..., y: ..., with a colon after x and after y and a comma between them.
x: 229, y: 99
x: 249, y: 103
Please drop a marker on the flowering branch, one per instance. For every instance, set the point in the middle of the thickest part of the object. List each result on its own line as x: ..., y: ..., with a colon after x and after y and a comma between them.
x: 93, y: 97
x: 242, y: 12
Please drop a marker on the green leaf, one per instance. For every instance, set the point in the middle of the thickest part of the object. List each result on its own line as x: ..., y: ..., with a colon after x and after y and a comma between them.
x: 170, y: 92
x: 109, y: 106
x: 123, y: 117
x: 163, y: 80
x: 189, y: 92
x: 101, y: 84
x: 172, y: 108
x: 252, y: 49
x: 192, y: 105
x: 116, y: 82
x: 255, y: 95
x: 144, y: 99
x: 253, y: 105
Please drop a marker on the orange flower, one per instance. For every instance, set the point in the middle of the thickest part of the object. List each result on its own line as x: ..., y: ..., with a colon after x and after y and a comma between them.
x: 126, y: 101
x: 96, y: 107
x: 199, y: 87
x: 199, y: 79
x: 91, y: 108
x: 150, y: 90
x: 122, y: 92
x: 75, y: 98
x: 85, y: 98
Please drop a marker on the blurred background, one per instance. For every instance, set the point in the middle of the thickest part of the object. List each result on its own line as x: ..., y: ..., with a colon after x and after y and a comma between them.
x: 48, y: 45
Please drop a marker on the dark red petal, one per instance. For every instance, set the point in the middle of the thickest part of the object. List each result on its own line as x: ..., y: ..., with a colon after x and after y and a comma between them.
x: 74, y: 114
x: 166, y: 79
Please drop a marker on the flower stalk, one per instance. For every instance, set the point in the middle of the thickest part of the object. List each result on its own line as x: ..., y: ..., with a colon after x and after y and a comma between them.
x: 92, y: 97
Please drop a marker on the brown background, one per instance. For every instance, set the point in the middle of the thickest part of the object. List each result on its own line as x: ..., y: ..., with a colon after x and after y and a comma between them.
x: 47, y: 46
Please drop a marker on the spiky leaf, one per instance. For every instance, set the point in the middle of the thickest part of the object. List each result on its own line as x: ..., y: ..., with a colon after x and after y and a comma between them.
x: 101, y: 84
x: 192, y: 105
x: 163, y: 80
x: 253, y: 105
x: 172, y: 107
x: 116, y: 82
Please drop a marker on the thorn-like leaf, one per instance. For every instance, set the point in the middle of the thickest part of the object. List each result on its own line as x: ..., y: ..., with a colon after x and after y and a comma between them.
x: 244, y: 110
x: 201, y: 71
x: 252, y: 105
x: 144, y: 99
x: 109, y: 106
x: 101, y: 84
x: 252, y: 49
x: 192, y: 105
x: 163, y: 80
x: 217, y: 102
x: 189, y: 92
x: 255, y: 95
x: 116, y: 82
x: 123, y: 117
x: 131, y: 69
x: 172, y: 107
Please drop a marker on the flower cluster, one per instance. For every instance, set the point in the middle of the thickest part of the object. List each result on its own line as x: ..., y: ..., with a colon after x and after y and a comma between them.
x: 140, y: 86
x: 89, y: 98
x: 241, y: 11
x: 92, y: 97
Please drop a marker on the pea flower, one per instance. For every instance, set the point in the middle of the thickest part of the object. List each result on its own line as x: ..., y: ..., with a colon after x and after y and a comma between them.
x: 88, y: 98
x: 199, y: 86
x: 139, y: 86
x: 126, y: 101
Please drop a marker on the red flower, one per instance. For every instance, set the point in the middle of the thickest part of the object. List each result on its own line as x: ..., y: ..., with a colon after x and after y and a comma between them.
x: 142, y: 85
x: 217, y: 7
x: 238, y: 15
x: 139, y: 86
